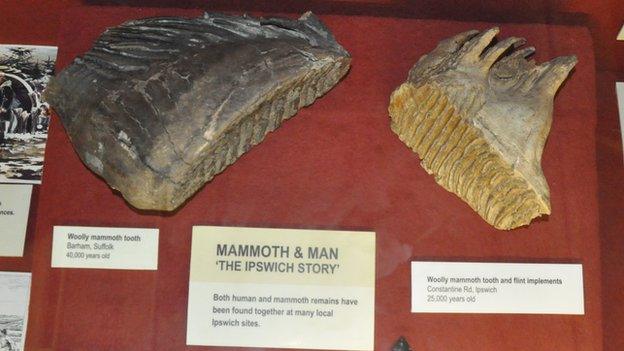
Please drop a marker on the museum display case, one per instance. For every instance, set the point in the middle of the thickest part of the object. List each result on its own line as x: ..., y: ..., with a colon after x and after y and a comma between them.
x: 337, y: 165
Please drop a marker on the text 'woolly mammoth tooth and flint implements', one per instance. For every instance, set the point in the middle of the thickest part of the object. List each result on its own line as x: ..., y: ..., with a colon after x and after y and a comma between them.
x: 159, y: 106
x: 478, y: 115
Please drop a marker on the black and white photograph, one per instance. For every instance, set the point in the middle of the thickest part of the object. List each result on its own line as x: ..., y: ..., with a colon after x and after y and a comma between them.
x: 14, y: 299
x: 24, y: 117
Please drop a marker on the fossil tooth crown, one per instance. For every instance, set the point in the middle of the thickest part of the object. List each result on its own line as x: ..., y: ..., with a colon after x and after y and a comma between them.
x: 478, y: 115
x: 159, y: 106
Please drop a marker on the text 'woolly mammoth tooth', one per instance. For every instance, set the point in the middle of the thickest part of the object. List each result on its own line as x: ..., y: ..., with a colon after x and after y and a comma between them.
x: 478, y: 115
x: 159, y: 106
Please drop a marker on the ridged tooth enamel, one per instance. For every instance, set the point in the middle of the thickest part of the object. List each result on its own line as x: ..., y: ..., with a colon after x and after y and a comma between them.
x: 461, y: 143
x: 191, y: 95
x: 478, y: 117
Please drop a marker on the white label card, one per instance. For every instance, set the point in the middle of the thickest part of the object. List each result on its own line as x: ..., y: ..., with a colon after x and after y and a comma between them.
x: 462, y: 287
x: 303, y: 289
x: 14, y: 208
x: 621, y: 34
x: 105, y: 248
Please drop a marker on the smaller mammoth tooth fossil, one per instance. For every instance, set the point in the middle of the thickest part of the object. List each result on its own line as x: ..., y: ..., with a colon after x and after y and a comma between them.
x: 478, y: 115
x: 401, y: 345
x: 159, y: 106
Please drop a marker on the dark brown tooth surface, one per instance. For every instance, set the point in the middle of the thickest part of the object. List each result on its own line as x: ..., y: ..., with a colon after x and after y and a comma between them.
x: 159, y: 106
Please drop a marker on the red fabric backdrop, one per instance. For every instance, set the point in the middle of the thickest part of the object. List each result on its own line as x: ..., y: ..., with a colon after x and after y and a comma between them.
x: 335, y: 165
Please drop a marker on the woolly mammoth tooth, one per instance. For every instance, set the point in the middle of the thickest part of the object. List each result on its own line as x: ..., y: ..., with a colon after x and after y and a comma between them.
x: 159, y: 106
x: 478, y: 115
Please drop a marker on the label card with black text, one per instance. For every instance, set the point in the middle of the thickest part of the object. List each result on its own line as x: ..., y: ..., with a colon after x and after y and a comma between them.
x: 467, y: 287
x: 105, y: 248
x: 14, y: 208
x: 303, y: 289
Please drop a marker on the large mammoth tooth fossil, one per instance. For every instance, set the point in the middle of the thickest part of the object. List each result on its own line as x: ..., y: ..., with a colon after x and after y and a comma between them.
x: 159, y: 106
x: 478, y: 115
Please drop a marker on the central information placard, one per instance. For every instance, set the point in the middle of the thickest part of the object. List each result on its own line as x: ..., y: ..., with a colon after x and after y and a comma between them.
x: 283, y: 288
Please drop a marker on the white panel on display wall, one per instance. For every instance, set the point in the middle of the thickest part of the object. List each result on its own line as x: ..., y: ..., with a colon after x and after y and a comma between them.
x: 14, y: 208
